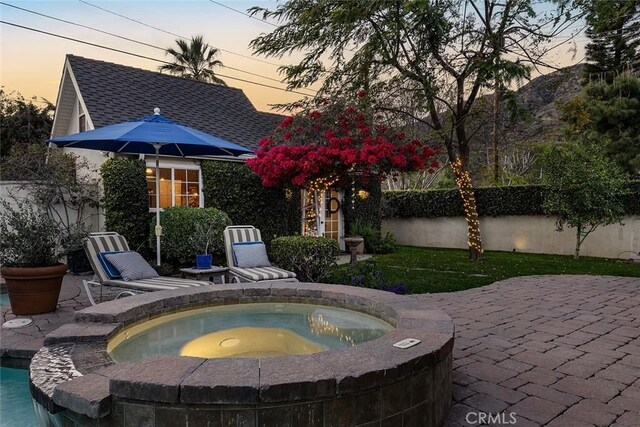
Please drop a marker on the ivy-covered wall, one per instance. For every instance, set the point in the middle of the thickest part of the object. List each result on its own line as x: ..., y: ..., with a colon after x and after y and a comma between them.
x: 492, y: 201
x: 364, y: 210
x: 125, y: 199
x: 233, y: 188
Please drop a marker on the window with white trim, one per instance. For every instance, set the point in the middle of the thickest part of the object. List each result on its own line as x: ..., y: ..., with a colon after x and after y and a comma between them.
x: 178, y: 187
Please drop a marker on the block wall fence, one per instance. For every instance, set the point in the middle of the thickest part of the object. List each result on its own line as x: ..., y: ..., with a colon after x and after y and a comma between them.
x: 522, y: 233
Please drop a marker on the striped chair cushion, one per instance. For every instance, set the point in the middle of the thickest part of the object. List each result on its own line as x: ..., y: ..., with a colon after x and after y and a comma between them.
x: 238, y: 234
x: 157, y: 284
x: 103, y: 243
x: 262, y: 273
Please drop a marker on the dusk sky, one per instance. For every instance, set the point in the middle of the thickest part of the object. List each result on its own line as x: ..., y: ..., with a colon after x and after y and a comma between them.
x: 31, y: 63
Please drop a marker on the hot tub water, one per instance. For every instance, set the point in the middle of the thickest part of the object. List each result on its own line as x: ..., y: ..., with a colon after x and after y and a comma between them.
x: 247, y: 330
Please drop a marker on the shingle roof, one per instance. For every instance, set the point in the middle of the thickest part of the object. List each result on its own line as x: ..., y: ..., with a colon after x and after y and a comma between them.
x: 114, y: 93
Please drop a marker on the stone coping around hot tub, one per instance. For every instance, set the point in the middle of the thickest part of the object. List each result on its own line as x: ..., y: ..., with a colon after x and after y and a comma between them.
x: 268, y: 381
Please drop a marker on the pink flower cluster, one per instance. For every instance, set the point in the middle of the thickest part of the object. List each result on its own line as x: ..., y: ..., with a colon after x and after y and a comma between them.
x: 336, y: 143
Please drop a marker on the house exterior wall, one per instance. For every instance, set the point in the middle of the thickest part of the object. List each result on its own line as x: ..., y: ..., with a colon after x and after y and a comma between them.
x: 94, y: 157
x: 73, y: 123
x: 532, y: 234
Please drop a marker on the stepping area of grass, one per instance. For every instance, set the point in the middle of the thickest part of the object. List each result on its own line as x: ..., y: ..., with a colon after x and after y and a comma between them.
x: 428, y: 270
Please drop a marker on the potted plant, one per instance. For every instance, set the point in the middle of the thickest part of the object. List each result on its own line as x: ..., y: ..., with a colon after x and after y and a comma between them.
x: 64, y: 186
x: 29, y: 258
x: 203, y: 237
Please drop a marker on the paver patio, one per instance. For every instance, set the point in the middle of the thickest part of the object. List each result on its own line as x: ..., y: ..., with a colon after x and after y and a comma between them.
x: 552, y: 350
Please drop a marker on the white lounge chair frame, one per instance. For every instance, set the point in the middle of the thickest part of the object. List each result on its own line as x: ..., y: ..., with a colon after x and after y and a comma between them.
x: 113, y: 242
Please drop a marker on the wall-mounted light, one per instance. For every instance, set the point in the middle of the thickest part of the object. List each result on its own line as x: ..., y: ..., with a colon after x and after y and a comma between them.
x: 363, y: 194
x: 149, y: 171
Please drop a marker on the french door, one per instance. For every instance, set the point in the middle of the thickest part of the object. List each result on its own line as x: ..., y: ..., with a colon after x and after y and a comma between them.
x: 325, y: 217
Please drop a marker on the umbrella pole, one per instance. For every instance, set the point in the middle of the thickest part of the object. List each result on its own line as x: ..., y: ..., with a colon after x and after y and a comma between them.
x: 158, y: 228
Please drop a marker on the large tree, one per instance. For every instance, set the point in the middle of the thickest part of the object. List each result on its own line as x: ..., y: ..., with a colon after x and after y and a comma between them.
x: 443, y: 53
x: 608, y: 113
x: 194, y: 59
x: 614, y: 29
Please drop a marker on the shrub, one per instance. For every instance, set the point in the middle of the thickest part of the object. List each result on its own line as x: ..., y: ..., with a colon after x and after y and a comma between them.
x: 387, y: 244
x: 308, y: 257
x: 125, y: 199
x: 181, y: 228
x: 374, y: 243
x: 234, y: 188
x: 364, y: 274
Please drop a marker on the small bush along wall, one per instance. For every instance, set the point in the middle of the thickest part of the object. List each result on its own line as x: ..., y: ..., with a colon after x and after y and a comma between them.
x: 363, y: 207
x: 181, y: 234
x: 125, y: 199
x: 632, y: 200
x: 492, y: 201
x: 235, y: 189
x: 308, y: 257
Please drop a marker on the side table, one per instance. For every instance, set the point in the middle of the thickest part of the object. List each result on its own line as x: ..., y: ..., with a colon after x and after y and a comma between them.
x: 211, y: 273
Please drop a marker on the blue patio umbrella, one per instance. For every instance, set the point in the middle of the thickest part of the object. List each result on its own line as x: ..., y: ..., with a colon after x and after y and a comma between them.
x: 149, y: 135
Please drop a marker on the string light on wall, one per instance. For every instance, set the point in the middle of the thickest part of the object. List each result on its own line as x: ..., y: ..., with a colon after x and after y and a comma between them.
x: 463, y: 183
x: 363, y: 194
x: 353, y: 194
x: 310, y: 223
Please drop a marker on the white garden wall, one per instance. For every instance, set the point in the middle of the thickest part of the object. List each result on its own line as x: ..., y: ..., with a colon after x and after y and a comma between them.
x: 533, y: 234
x: 12, y: 191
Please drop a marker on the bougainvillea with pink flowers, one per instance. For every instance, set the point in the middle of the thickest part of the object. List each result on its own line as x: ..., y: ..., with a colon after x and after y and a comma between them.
x: 333, y: 143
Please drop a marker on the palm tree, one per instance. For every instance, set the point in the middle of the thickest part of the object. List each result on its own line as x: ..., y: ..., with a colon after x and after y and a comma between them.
x: 194, y: 60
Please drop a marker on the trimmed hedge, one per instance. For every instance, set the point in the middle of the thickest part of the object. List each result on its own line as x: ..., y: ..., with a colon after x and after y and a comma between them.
x: 181, y: 226
x: 235, y: 189
x: 492, y: 201
x: 125, y: 199
x: 308, y: 257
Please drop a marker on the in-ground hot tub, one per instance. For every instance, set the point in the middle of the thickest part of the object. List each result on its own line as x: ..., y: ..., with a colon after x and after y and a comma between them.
x: 255, y: 330
x: 255, y: 354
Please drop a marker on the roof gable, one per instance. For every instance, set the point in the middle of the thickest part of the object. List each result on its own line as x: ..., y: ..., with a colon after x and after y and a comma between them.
x: 113, y: 93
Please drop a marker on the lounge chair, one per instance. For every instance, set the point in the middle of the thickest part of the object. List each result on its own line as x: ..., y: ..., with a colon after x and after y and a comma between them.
x: 97, y: 243
x: 244, y: 234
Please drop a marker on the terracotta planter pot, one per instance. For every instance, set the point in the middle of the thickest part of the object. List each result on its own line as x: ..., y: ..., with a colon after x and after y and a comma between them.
x: 34, y: 290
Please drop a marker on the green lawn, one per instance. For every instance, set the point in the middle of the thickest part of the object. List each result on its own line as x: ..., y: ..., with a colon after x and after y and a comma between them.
x: 444, y: 270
